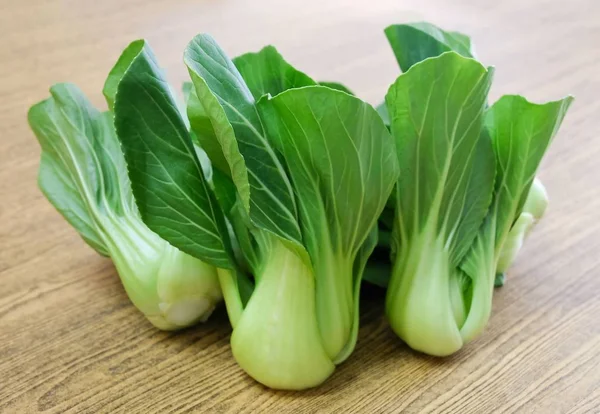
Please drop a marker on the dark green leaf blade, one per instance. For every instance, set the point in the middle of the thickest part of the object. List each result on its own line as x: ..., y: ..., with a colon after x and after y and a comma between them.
x: 414, y: 42
x: 461, y: 43
x: 231, y: 107
x: 116, y: 74
x: 266, y: 72
x: 521, y: 132
x: 339, y: 154
x: 167, y: 180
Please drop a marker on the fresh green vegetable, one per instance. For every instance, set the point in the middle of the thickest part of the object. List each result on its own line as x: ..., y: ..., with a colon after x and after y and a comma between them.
x: 521, y: 132
x: 299, y: 178
x: 436, y: 112
x: 467, y: 171
x: 272, y: 191
x: 83, y: 174
x: 412, y: 43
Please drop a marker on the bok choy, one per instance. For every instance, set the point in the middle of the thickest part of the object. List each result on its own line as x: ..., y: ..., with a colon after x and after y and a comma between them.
x: 83, y: 174
x: 271, y: 190
x: 412, y: 43
x: 467, y: 170
x: 300, y: 173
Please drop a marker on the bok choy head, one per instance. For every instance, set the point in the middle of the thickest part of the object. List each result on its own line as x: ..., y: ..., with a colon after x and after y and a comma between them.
x: 467, y: 170
x: 300, y: 173
x: 412, y: 43
x: 83, y: 174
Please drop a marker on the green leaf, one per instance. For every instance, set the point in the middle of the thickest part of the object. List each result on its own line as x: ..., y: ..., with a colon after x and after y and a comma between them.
x: 337, y: 86
x: 216, y: 136
x: 117, y: 188
x: 461, y: 43
x: 414, y: 42
x: 342, y: 162
x: 59, y: 188
x: 203, y: 132
x: 167, y: 180
x: 119, y: 69
x: 70, y: 131
x: 521, y: 133
x: 257, y: 172
x: 436, y: 111
x: 339, y: 154
x: 266, y: 72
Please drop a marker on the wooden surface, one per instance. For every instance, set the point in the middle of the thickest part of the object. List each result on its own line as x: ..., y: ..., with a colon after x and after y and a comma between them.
x: 70, y: 341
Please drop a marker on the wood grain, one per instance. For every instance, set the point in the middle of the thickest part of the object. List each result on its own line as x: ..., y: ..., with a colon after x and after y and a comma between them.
x: 70, y: 341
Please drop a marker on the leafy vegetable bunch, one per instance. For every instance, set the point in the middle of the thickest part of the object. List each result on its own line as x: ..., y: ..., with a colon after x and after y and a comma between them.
x: 271, y: 190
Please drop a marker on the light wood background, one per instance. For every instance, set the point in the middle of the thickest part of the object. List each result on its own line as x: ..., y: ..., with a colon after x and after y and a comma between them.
x: 70, y: 341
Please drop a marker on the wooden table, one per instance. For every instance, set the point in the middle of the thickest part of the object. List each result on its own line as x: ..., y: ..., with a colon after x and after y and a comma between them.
x: 70, y: 341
